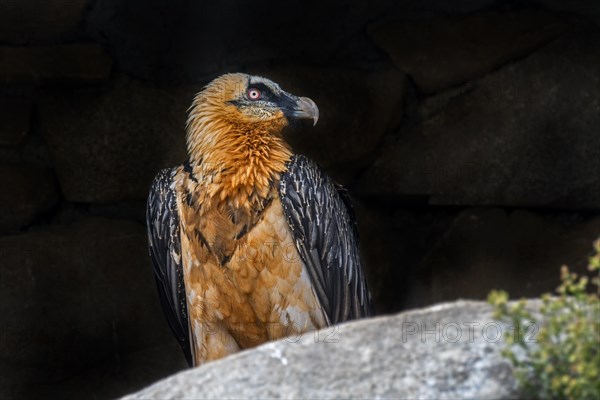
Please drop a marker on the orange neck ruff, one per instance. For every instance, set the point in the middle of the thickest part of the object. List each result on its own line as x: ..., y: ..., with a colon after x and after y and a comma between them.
x: 235, y: 158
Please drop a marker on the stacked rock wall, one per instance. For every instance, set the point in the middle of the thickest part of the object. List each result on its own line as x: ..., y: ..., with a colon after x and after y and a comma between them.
x: 467, y: 132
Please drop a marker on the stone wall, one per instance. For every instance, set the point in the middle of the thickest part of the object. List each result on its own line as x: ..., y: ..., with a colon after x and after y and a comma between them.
x: 467, y: 132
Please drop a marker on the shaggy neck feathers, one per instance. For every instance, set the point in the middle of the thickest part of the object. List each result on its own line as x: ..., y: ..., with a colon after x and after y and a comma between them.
x: 235, y: 159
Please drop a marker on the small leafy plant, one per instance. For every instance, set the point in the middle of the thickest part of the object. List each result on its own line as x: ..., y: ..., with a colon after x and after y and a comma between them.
x: 563, y: 362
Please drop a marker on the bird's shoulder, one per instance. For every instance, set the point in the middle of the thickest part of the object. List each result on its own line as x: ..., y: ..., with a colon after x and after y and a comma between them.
x: 305, y: 176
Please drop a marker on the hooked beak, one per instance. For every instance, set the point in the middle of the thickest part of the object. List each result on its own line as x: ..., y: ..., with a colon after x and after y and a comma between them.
x: 305, y: 108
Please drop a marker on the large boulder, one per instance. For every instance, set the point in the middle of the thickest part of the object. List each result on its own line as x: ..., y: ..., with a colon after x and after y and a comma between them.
x: 79, y: 310
x: 28, y: 193
x: 84, y: 63
x: 519, y: 251
x: 15, y: 114
x: 526, y: 135
x: 108, y: 144
x: 586, y: 9
x: 183, y: 39
x: 393, y: 243
x: 415, y: 256
x: 31, y: 21
x: 448, y: 351
x: 442, y: 51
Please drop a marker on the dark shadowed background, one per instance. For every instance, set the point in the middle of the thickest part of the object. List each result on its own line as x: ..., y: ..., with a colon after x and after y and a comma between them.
x: 467, y: 132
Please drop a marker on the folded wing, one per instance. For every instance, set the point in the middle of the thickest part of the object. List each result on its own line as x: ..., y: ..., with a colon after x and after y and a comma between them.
x: 324, y: 228
x: 165, y: 250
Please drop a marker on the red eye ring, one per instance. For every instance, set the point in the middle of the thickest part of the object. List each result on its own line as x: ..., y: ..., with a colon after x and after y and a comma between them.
x: 253, y: 94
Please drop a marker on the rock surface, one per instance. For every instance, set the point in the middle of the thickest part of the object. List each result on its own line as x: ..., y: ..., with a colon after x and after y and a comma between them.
x: 15, y: 114
x: 79, y: 302
x: 27, y: 192
x: 441, y: 52
x: 393, y: 243
x: 109, y: 145
x: 80, y: 63
x: 587, y: 9
x: 195, y: 40
x: 448, y: 351
x: 416, y: 256
x: 528, y: 136
x: 31, y: 21
x: 518, y: 251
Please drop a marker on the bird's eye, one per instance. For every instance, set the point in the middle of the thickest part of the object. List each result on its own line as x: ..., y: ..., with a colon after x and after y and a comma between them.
x: 253, y: 94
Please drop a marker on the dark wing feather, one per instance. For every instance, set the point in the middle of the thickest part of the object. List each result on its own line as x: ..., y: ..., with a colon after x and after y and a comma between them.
x: 165, y: 251
x: 324, y: 228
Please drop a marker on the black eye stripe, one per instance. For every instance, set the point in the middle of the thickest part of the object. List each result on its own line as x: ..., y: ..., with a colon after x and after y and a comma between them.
x: 266, y: 92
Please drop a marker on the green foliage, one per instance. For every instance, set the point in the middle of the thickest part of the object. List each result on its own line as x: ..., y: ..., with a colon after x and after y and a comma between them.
x: 563, y: 360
